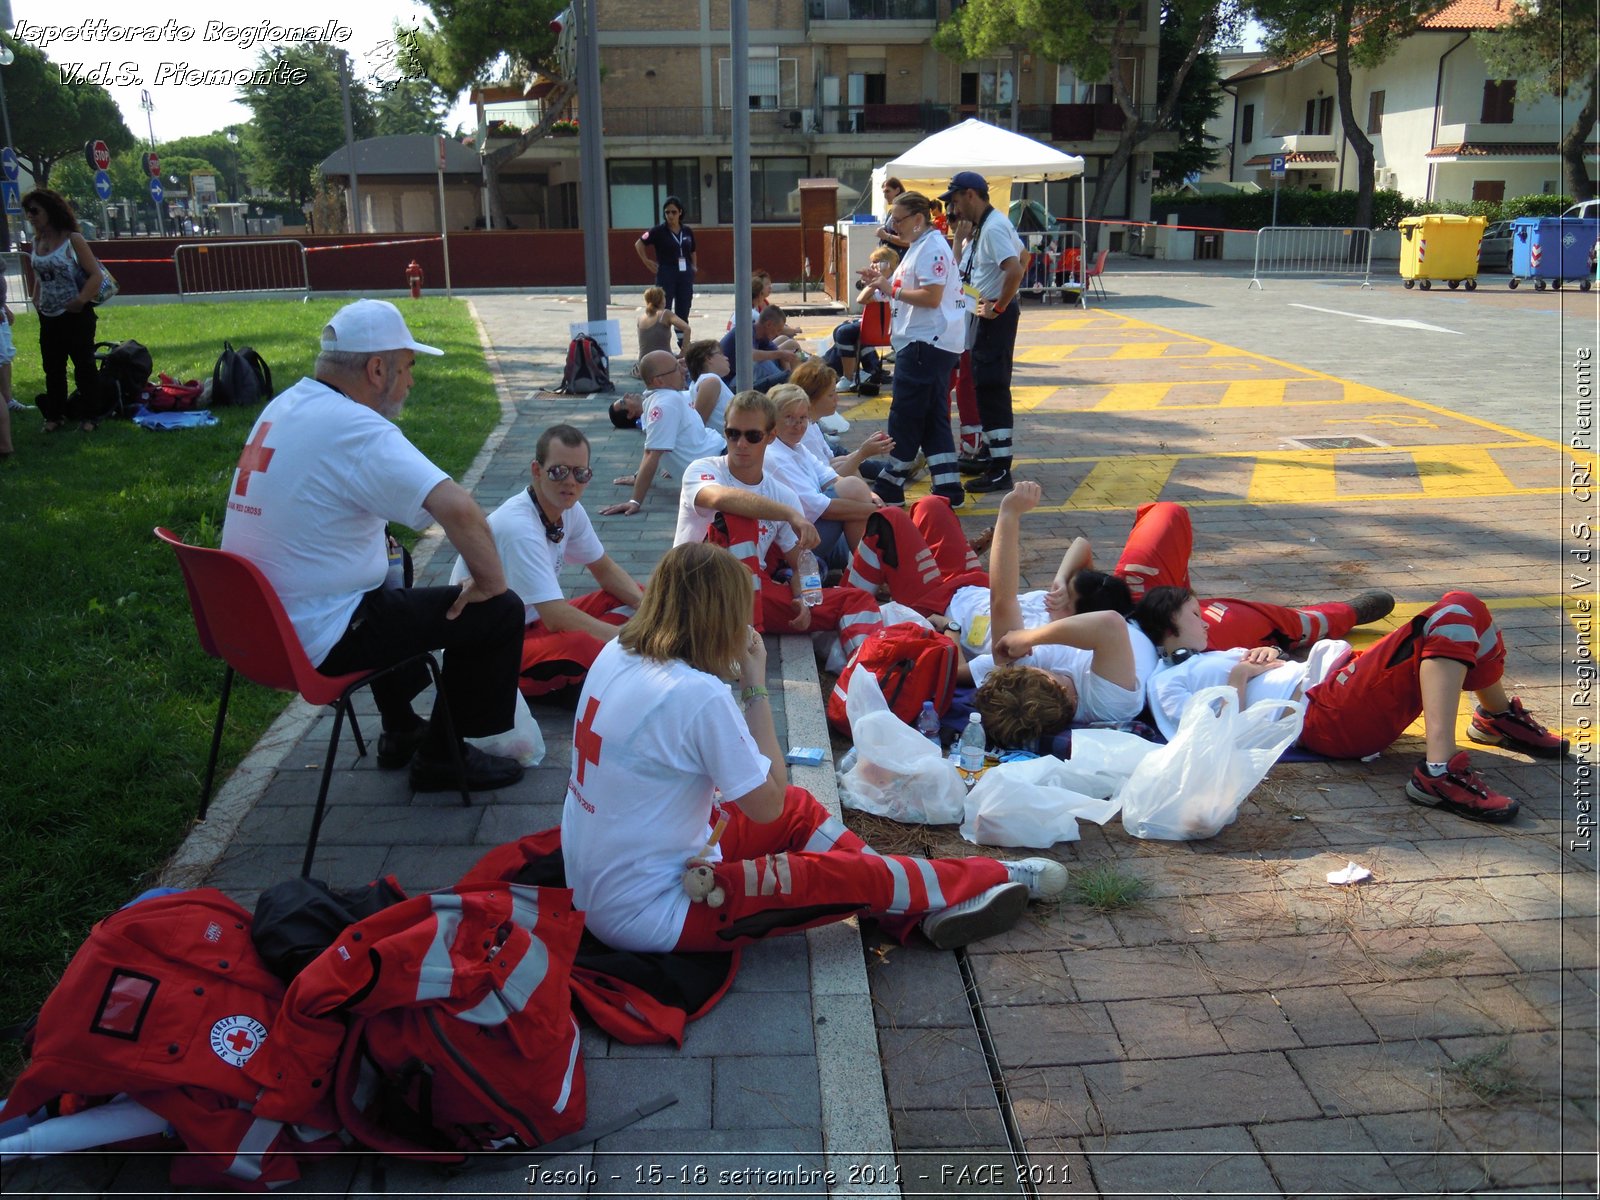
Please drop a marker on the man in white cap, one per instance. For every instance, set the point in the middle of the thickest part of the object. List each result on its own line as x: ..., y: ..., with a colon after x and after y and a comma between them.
x: 324, y: 471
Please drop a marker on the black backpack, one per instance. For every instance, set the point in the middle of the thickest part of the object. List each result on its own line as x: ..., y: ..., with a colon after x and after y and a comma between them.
x: 124, y: 372
x: 240, y: 377
x: 588, y: 369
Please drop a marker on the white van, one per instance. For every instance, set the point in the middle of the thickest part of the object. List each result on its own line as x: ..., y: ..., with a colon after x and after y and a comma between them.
x: 1584, y: 208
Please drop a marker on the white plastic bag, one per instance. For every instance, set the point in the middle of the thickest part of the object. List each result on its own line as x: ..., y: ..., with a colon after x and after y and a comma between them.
x: 1192, y: 787
x: 897, y: 772
x: 1035, y: 803
x: 522, y: 741
x: 1109, y: 752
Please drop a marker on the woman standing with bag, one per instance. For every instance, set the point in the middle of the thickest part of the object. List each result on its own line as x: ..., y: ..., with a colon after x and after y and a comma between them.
x: 928, y: 331
x: 66, y: 280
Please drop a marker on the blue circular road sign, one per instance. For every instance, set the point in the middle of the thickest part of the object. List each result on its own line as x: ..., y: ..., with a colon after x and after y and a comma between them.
x: 102, y: 185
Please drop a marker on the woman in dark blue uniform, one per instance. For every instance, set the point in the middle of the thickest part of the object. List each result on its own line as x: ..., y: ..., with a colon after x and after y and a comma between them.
x: 675, y: 263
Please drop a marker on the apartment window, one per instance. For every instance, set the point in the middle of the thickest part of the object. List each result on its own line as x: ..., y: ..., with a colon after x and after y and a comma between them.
x: 770, y: 80
x: 1072, y: 90
x: 1319, y: 116
x: 1499, y: 101
x: 1247, y: 125
x: 640, y: 186
x: 774, y: 188
x: 1375, y: 113
x: 1492, y: 190
x: 855, y: 176
x: 985, y: 87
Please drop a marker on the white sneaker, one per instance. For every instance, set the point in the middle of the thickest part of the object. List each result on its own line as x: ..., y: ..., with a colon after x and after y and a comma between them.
x: 1045, y: 877
x: 992, y: 911
x: 15, y: 405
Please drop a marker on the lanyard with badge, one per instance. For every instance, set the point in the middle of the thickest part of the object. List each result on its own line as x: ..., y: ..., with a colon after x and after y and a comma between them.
x: 969, y: 294
x: 683, y: 259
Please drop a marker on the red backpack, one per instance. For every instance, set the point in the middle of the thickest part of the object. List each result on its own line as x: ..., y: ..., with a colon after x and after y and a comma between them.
x: 168, y: 395
x: 911, y: 663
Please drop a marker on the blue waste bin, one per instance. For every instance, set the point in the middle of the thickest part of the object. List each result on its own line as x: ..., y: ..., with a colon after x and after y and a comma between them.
x: 1553, y: 250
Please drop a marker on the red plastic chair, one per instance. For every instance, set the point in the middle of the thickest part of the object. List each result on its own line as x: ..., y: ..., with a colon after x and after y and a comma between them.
x: 239, y: 619
x: 1093, y: 277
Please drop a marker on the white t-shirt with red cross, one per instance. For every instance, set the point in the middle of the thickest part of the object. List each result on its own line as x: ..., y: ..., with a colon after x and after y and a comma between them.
x: 319, y: 478
x: 653, y: 741
x: 672, y: 426
x: 694, y: 521
x: 532, y: 561
x: 928, y: 261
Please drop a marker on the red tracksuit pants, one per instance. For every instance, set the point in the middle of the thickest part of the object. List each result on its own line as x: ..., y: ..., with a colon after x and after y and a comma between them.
x: 1157, y: 555
x: 1364, y: 705
x: 806, y: 869
x: 965, y: 392
x: 922, y: 559
x: 552, y: 661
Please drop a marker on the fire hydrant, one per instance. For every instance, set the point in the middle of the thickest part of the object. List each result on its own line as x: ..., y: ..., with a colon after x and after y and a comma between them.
x: 414, y: 279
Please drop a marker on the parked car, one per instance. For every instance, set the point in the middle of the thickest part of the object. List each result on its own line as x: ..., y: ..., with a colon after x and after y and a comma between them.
x: 1494, y: 251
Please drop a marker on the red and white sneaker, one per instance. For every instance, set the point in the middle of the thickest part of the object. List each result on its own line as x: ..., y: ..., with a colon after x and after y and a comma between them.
x: 1516, y: 730
x: 1460, y: 790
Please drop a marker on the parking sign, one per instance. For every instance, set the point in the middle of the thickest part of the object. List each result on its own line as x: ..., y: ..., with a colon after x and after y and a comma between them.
x: 1280, y: 166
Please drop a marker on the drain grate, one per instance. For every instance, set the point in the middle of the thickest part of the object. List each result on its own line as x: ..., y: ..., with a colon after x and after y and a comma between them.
x: 1353, y: 441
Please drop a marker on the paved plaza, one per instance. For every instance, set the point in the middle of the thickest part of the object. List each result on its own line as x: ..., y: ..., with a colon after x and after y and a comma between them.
x: 1246, y: 1028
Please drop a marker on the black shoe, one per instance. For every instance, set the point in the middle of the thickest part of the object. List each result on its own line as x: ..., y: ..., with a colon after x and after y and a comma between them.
x: 395, y: 749
x: 1371, y: 606
x: 957, y: 496
x: 888, y: 493
x: 483, y: 772
x: 975, y: 464
x: 995, y: 481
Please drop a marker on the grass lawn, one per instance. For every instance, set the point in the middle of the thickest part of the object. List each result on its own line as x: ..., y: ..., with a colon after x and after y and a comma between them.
x: 108, y: 699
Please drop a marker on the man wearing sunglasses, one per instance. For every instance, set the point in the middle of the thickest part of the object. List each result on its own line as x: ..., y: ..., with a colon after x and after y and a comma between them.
x: 674, y: 434
x: 730, y: 499
x: 536, y: 531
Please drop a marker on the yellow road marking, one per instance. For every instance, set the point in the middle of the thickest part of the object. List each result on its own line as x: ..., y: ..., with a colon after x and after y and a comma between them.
x: 1129, y: 397
x: 1468, y: 471
x: 1025, y: 399
x: 1254, y: 393
x: 1123, y: 482
x: 1305, y: 477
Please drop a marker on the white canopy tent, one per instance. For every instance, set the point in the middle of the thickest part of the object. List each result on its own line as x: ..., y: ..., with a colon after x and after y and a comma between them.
x: 1000, y: 156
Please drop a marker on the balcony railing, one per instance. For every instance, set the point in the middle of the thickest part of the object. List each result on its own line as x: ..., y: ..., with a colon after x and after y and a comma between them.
x: 873, y: 10
x: 1056, y: 122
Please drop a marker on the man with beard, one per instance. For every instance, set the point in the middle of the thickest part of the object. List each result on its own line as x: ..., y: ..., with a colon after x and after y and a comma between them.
x: 323, y: 472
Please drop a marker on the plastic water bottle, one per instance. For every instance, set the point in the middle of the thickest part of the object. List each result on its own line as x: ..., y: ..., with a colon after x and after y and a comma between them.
x: 972, y: 745
x: 928, y: 722
x: 810, y: 579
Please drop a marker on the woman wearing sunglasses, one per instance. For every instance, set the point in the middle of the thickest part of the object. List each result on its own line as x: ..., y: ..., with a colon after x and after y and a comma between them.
x: 65, y: 279
x: 536, y: 531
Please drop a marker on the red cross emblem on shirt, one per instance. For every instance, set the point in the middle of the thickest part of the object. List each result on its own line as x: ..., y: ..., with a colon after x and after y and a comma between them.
x: 938, y: 266
x: 585, y: 740
x: 239, y: 1041
x: 255, y: 458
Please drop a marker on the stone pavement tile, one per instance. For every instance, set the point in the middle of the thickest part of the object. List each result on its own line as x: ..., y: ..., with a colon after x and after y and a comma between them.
x: 1276, y: 962
x: 975, y: 1127
x: 1060, y: 1034
x: 718, y: 1162
x: 1574, y: 890
x: 1525, y: 1143
x: 962, y: 1174
x: 1350, y: 1081
x: 1323, y: 1016
x: 1250, y: 1021
x: 1162, y: 1093
x: 298, y: 788
x: 1325, y: 1157
x: 1433, y: 1008
x: 1022, y: 978
x: 1051, y: 1102
x: 921, y: 1066
x: 779, y: 964
x: 507, y: 822
x: 616, y: 1085
x: 563, y: 1175
x: 425, y: 868
x: 1564, y: 998
x: 1483, y: 858
x: 1051, y: 927
x: 1184, y: 1162
x: 247, y: 868
x: 1425, y: 1153
x: 1505, y: 898
x: 753, y: 1023
x: 405, y: 826
x: 1167, y: 1028
x: 917, y: 986
x: 1140, y: 972
x: 1554, y: 1064
x: 1545, y: 945
x: 1057, y: 1166
x: 1425, y: 953
x: 1177, y: 870
x: 765, y: 1092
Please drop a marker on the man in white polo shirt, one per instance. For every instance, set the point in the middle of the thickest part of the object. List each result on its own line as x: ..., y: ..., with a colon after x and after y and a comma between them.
x: 674, y: 434
x: 325, y: 469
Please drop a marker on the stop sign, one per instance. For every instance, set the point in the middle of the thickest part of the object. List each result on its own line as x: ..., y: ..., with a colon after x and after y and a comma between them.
x: 152, y: 165
x: 101, y: 153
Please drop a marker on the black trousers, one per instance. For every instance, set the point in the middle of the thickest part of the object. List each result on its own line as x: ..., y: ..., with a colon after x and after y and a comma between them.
x: 482, y: 654
x: 992, y: 355
x: 919, y: 419
x: 68, y: 336
x: 679, y: 287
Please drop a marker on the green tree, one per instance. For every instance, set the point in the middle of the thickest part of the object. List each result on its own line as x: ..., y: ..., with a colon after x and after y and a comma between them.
x: 294, y: 128
x: 410, y: 106
x: 481, y: 41
x: 1549, y: 49
x: 1089, y: 37
x: 1199, y: 100
x: 1357, y: 33
x: 226, y: 157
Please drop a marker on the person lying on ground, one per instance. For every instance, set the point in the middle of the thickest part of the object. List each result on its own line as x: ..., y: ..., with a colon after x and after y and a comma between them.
x: 1357, y: 702
x: 674, y: 435
x: 679, y: 828
x: 538, y: 530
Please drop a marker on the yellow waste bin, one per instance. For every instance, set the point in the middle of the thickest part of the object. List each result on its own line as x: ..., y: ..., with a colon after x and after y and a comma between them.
x: 1440, y: 246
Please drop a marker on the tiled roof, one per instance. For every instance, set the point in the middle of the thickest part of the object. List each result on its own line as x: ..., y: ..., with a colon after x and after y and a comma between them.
x: 1472, y: 14
x: 1500, y: 150
x: 1295, y: 156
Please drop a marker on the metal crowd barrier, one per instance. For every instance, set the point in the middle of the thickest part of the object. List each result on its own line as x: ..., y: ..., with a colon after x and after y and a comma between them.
x: 206, y: 268
x: 1054, y: 265
x: 1312, y: 250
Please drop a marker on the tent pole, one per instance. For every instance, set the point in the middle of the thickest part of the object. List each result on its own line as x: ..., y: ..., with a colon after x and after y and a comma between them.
x: 1083, y: 242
